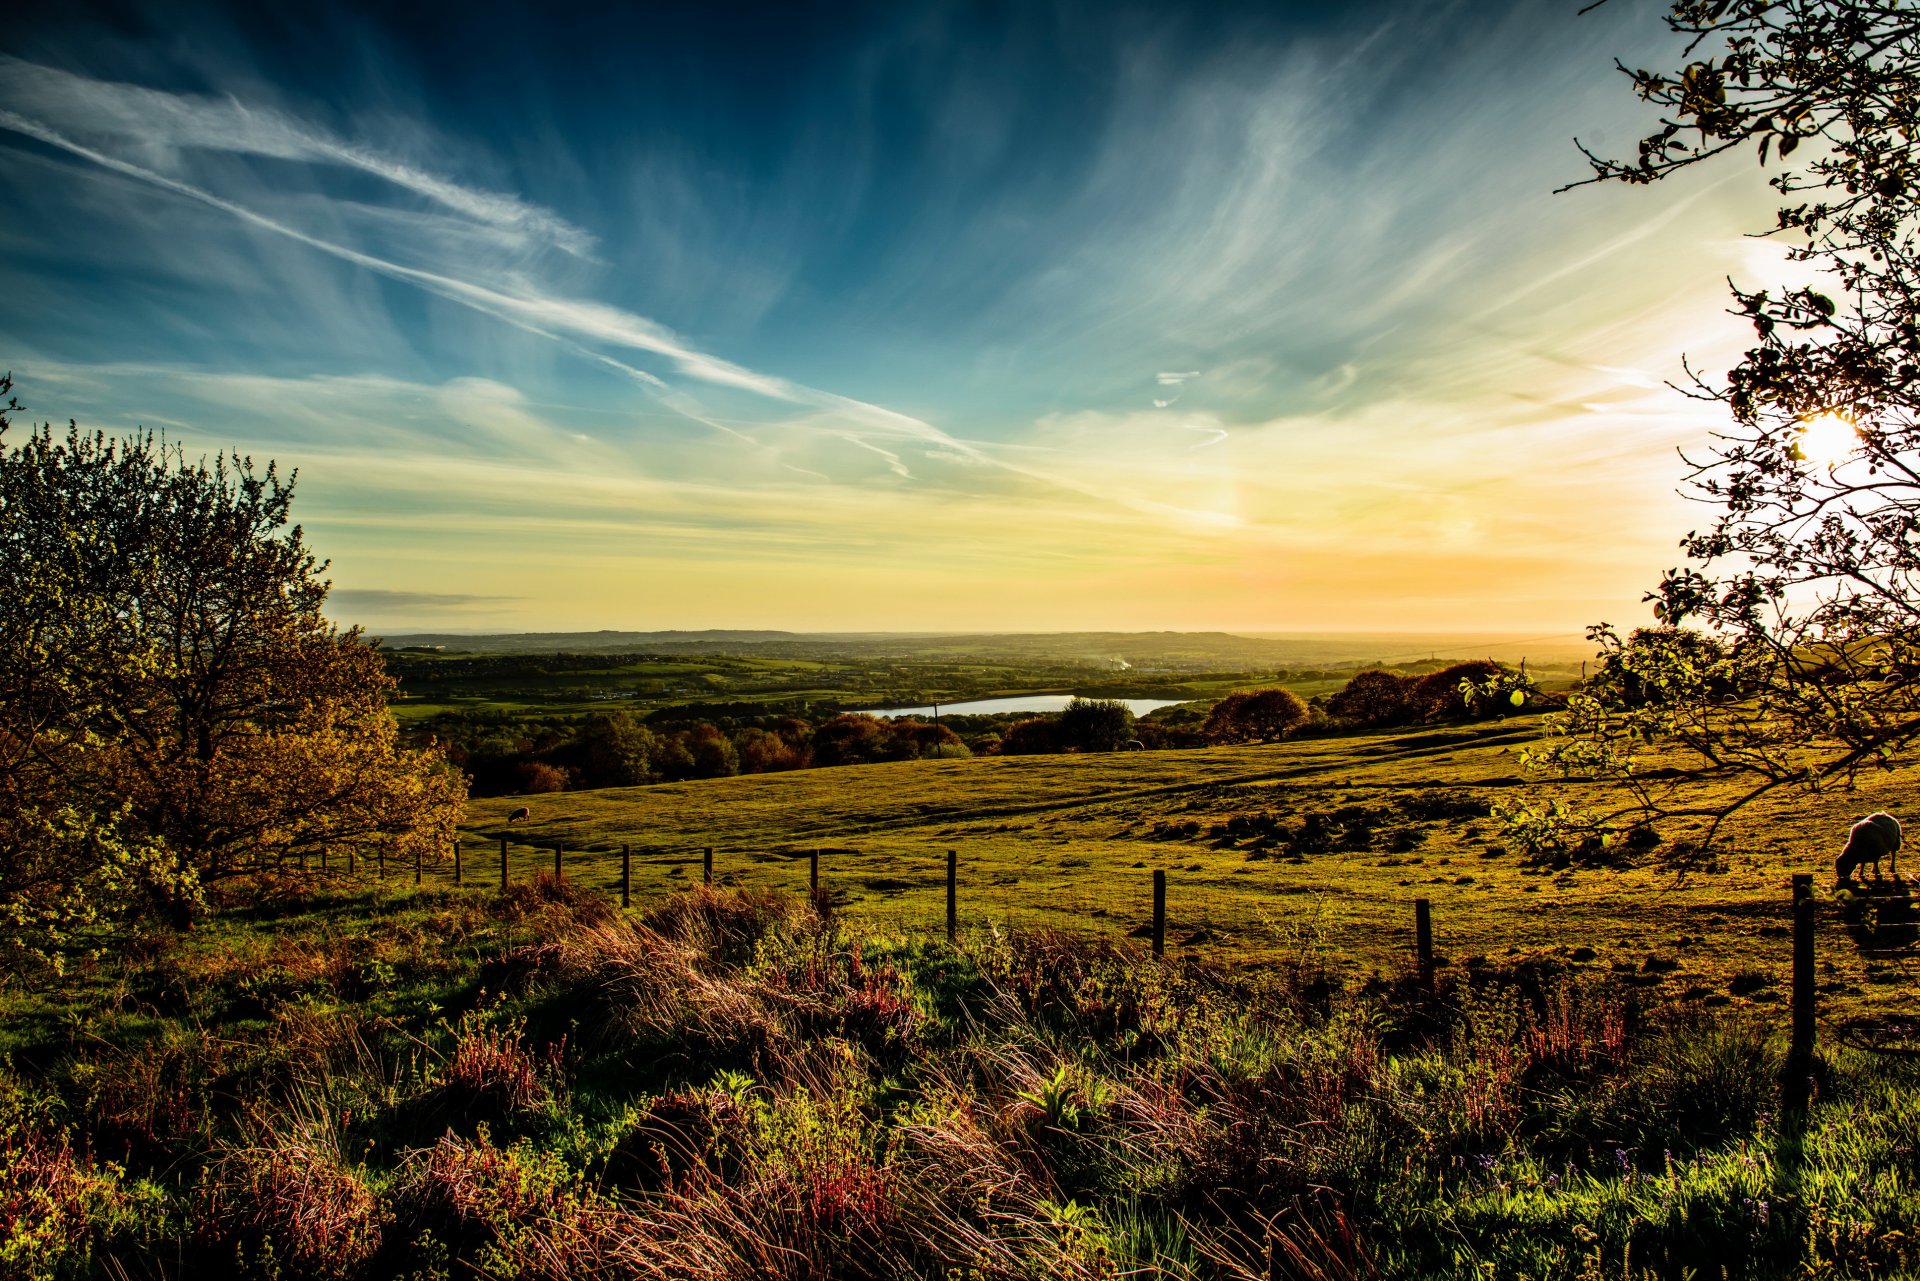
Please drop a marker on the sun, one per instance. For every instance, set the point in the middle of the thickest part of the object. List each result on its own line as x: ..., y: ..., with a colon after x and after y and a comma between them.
x: 1828, y: 440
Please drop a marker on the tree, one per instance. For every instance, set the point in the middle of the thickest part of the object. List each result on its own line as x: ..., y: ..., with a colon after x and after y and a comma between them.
x: 1376, y: 697
x: 170, y: 676
x: 852, y: 738
x: 1804, y: 583
x: 615, y: 750
x: 1096, y: 724
x: 1462, y: 691
x: 1035, y: 736
x: 1265, y: 715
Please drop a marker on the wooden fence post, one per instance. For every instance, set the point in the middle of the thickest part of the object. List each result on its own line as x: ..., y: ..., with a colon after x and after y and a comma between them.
x: 303, y: 862
x: 456, y: 862
x: 1800, y: 1062
x: 706, y: 867
x: 1423, y: 939
x: 1159, y: 912
x: 382, y: 857
x: 503, y: 865
x: 351, y: 869
x: 556, y: 862
x: 323, y: 860
x: 626, y: 875
x: 953, y: 897
x: 813, y: 873
x: 416, y: 864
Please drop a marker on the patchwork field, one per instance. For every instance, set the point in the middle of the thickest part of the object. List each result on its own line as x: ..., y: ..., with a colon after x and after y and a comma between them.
x: 1318, y: 846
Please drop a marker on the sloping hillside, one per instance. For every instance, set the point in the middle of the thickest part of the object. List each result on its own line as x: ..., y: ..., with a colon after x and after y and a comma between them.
x: 1317, y: 845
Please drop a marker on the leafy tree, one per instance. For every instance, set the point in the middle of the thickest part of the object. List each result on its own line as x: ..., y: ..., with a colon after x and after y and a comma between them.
x: 1805, y: 580
x: 852, y: 738
x: 1265, y: 715
x: 537, y: 778
x: 615, y: 750
x: 171, y: 682
x: 921, y: 740
x: 1376, y: 697
x: 713, y: 753
x: 1035, y: 736
x: 1462, y: 691
x: 764, y: 751
x: 1096, y: 724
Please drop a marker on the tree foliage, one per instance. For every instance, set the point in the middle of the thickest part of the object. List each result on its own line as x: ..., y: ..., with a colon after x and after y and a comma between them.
x: 1262, y: 715
x: 1800, y: 593
x: 171, y: 684
x: 1375, y: 698
x: 1096, y: 724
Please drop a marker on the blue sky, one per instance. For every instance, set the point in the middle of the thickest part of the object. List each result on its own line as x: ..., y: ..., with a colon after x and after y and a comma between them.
x: 905, y: 316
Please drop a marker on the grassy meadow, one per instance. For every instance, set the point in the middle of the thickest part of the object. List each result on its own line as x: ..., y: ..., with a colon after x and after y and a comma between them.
x: 1071, y: 842
x: 353, y: 1077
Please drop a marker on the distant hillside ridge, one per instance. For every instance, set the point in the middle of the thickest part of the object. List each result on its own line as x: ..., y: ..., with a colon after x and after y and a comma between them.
x: 1134, y: 648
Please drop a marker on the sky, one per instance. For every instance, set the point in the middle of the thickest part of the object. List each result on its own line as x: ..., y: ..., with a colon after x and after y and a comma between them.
x: 909, y: 317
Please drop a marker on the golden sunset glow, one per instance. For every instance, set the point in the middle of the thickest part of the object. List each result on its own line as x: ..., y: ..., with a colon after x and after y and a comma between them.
x: 1089, y: 378
x: 1828, y: 440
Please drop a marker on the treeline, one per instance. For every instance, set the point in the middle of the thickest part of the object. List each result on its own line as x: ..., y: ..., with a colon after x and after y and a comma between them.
x: 505, y: 755
x: 1464, y: 691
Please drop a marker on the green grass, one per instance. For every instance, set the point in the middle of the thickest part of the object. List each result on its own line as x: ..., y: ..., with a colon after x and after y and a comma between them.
x: 361, y: 1080
x: 453, y: 1084
x: 1072, y: 841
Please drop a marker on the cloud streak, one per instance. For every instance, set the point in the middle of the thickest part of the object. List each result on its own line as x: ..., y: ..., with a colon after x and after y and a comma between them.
x: 158, y: 122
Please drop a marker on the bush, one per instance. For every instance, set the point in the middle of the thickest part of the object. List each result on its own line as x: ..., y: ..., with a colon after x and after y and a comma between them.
x: 1095, y: 724
x: 1035, y: 737
x: 1376, y: 698
x: 1265, y: 716
x: 1440, y: 696
x: 533, y: 778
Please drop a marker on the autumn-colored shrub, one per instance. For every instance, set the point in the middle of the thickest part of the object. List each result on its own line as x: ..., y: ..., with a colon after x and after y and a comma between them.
x: 532, y: 778
x: 293, y: 1202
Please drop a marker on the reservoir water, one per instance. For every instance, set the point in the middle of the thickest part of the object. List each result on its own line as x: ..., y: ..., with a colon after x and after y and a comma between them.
x: 1025, y: 703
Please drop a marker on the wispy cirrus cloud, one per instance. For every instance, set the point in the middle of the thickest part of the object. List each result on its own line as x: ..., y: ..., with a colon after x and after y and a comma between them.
x: 158, y: 123
x: 118, y: 123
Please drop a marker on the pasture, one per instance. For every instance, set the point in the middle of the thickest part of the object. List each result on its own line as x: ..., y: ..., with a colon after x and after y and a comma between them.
x: 1315, y: 848
x: 355, y: 1078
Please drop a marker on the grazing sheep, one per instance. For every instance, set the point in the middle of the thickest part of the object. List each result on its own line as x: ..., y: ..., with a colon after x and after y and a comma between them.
x: 1873, y: 838
x: 524, y: 812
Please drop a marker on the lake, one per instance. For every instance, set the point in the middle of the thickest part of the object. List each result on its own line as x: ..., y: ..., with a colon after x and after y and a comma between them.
x: 1026, y: 703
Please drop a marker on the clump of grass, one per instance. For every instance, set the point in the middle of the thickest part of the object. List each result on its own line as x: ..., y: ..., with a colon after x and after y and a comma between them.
x: 56, y: 1205
x: 291, y: 1202
x: 491, y: 1075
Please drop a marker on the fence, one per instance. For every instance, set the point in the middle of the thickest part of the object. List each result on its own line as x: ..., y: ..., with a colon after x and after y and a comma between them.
x: 1797, y: 1079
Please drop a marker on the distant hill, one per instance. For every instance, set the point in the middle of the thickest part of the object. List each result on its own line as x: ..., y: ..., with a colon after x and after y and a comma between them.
x: 1177, y: 650
x: 581, y: 642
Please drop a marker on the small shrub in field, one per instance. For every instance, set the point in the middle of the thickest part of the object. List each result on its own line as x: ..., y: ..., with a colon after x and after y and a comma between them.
x: 294, y: 1203
x: 471, y: 1195
x: 1699, y: 1083
x: 679, y: 1136
x: 153, y: 1100
x: 53, y: 1203
x: 565, y: 902
x: 817, y: 1162
x: 725, y: 926
x: 490, y: 1074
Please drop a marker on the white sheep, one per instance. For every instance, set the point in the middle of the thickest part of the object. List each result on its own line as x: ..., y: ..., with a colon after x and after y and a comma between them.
x: 1873, y: 838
